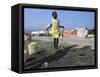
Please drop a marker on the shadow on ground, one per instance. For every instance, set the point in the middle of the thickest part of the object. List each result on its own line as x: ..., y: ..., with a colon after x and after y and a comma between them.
x: 32, y: 63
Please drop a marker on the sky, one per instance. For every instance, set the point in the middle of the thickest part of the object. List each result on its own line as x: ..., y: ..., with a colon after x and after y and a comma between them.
x: 39, y: 19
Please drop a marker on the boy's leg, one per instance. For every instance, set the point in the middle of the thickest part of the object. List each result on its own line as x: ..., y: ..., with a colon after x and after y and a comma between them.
x: 54, y: 42
x: 57, y: 41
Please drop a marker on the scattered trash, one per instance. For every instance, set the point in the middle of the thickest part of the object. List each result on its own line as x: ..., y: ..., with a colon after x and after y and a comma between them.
x: 25, y: 51
x: 92, y: 48
x: 45, y: 64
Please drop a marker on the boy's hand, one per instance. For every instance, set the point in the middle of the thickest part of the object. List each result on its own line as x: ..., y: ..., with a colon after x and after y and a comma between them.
x: 47, y: 32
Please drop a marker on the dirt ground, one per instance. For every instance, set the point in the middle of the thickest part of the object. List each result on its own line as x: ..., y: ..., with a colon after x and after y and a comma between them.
x: 67, y: 55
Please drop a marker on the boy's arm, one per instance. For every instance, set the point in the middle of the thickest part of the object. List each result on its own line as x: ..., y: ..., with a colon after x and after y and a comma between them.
x: 61, y: 27
x: 49, y: 27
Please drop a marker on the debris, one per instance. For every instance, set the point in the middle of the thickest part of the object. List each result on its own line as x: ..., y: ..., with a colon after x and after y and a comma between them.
x: 45, y: 64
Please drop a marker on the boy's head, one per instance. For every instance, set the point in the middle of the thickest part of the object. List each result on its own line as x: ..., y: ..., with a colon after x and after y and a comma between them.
x: 54, y: 14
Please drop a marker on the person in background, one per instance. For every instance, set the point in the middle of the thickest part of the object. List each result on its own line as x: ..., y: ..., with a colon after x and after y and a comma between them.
x: 86, y: 32
x: 55, y: 29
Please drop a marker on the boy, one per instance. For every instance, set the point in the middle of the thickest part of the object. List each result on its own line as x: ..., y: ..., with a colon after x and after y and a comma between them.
x: 55, y: 31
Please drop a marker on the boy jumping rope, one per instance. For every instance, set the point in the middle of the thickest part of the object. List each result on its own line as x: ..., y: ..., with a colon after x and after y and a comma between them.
x: 55, y: 29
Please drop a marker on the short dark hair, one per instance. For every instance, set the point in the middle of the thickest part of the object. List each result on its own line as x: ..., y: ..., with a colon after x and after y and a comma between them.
x: 54, y: 12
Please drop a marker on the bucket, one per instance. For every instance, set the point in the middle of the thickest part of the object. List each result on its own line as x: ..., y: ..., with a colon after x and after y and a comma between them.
x: 32, y: 48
